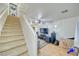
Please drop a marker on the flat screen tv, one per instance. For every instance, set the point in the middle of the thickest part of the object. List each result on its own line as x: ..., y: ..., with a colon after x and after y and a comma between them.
x: 44, y: 30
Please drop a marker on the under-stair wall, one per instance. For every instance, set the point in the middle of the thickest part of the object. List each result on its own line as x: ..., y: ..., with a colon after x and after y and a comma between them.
x: 3, y: 17
x: 30, y: 36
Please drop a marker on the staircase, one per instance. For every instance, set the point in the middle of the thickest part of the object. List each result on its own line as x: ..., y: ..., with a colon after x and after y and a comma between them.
x: 12, y: 41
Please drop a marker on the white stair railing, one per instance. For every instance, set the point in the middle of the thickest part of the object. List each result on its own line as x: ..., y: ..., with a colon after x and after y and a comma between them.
x: 3, y: 16
x: 30, y: 36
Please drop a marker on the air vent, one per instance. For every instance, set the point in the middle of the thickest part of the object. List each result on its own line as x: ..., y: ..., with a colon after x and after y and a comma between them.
x: 64, y: 11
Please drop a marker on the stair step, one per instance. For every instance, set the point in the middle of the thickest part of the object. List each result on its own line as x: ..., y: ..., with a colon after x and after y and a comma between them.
x: 4, y: 39
x: 11, y: 30
x: 11, y: 34
x: 12, y: 22
x: 11, y: 45
x: 12, y: 25
x: 15, y: 52
x: 14, y: 19
x: 24, y: 54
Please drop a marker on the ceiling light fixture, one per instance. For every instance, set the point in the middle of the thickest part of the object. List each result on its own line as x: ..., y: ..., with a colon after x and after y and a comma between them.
x: 39, y: 15
x: 55, y: 26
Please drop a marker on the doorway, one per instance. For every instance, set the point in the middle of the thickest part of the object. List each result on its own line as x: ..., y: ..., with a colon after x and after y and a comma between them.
x: 12, y: 9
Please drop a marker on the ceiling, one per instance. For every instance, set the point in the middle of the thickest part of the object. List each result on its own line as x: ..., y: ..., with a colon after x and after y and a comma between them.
x: 50, y: 11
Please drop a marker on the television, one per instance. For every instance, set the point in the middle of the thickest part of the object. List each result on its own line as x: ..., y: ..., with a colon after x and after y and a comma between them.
x: 44, y: 30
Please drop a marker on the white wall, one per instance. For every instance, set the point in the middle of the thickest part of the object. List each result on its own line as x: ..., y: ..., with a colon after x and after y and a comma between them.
x: 64, y: 28
x: 3, y: 17
x: 30, y: 36
x: 76, y: 41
